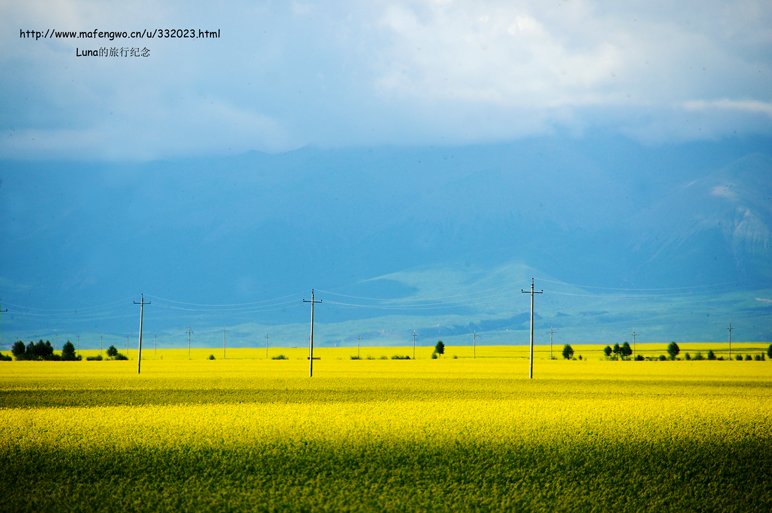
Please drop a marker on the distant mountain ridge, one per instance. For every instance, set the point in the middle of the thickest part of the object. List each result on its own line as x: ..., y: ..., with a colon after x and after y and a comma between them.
x: 256, y: 226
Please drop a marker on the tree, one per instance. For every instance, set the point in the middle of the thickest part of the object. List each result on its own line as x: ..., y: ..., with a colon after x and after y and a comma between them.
x: 673, y: 350
x: 68, y: 352
x: 711, y: 355
x: 112, y: 352
x: 568, y: 352
x: 626, y: 350
x: 769, y: 351
x: 19, y: 350
x: 607, y: 351
x: 439, y: 348
x: 617, y: 350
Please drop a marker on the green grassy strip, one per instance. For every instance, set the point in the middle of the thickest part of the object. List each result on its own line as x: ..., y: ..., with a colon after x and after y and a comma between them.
x: 393, y: 476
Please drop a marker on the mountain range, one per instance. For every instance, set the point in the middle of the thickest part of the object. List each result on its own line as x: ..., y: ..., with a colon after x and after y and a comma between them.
x: 438, y: 239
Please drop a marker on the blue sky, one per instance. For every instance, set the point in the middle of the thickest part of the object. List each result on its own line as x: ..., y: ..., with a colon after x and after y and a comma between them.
x: 339, y: 74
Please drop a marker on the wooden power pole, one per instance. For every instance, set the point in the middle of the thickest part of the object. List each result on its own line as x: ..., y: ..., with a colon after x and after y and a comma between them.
x: 532, y: 292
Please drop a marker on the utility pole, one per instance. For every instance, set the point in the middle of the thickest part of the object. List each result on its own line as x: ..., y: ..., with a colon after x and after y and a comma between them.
x: 634, y: 334
x: 358, y: 340
x: 474, y: 344
x: 266, y: 347
x: 311, y: 339
x: 1, y: 338
x: 551, y: 331
x: 223, y: 343
x: 414, y: 336
x: 141, y: 318
x: 730, y: 328
x: 532, y: 292
x: 189, y: 333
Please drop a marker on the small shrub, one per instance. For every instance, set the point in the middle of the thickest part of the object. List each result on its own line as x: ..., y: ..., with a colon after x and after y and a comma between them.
x: 211, y: 357
x: 580, y: 357
x: 355, y: 358
x: 383, y: 357
x: 120, y: 356
x: 748, y: 358
x: 688, y: 356
x: 434, y: 356
x: 5, y: 358
x: 370, y: 357
x: 97, y: 358
x: 400, y: 357
x: 699, y: 356
x: 757, y: 357
x: 711, y: 355
x: 662, y: 357
x: 639, y: 358
x: 455, y: 357
x: 279, y: 357
x: 738, y: 357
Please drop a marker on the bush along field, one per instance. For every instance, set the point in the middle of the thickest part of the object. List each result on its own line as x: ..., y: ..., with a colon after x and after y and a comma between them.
x: 445, y: 434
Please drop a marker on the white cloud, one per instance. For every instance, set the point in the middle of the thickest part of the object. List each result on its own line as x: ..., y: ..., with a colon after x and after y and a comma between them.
x: 752, y: 106
x: 382, y: 72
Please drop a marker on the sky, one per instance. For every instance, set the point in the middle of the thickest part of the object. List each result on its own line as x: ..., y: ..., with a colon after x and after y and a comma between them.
x: 284, y: 75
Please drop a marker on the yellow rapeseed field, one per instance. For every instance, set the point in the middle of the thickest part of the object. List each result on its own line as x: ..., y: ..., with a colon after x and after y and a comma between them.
x: 374, y: 435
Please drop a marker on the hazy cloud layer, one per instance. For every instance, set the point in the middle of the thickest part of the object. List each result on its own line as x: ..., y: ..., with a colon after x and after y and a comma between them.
x: 283, y: 75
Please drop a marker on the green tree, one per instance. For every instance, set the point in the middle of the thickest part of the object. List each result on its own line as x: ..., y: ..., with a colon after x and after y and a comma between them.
x: 68, y: 352
x: 769, y: 351
x: 626, y: 350
x: 673, y: 350
x: 711, y: 355
x: 607, y: 351
x: 439, y: 348
x: 19, y: 350
x: 112, y: 352
x: 568, y: 352
x: 616, y: 350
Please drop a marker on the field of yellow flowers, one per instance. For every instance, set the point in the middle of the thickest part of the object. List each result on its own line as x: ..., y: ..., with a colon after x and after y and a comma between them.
x: 385, y: 435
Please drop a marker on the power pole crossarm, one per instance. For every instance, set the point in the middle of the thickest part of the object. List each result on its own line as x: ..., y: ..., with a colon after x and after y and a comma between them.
x: 532, y: 292
x: 311, y: 338
x: 730, y: 328
x: 141, y: 317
